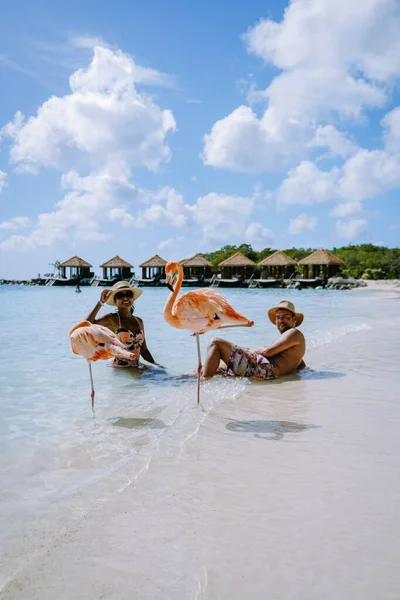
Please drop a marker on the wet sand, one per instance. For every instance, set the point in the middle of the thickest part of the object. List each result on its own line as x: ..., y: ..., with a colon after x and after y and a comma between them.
x: 289, y: 492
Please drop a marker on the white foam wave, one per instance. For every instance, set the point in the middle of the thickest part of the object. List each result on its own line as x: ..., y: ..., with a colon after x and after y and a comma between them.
x: 319, y: 338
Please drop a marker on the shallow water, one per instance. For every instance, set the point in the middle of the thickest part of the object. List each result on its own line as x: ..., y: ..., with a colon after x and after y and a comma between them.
x: 325, y: 434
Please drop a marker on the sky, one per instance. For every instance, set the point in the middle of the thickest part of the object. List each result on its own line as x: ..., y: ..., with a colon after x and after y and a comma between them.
x: 136, y: 128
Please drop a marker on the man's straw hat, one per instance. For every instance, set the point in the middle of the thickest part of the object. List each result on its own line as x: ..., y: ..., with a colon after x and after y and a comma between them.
x: 287, y: 306
x: 121, y: 286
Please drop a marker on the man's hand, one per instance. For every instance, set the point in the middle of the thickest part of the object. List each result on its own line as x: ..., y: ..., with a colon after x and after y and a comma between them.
x: 260, y: 350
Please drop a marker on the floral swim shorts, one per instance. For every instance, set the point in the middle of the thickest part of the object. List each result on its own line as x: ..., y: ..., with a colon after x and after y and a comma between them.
x: 245, y: 363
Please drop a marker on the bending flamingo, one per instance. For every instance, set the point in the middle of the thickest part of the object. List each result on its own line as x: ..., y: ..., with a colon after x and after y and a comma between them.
x: 199, y: 311
x: 95, y: 342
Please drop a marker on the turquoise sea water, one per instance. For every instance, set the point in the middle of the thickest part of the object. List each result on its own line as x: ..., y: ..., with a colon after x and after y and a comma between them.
x: 55, y: 455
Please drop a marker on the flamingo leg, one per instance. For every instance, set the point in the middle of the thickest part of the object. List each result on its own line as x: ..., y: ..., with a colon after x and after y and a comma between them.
x: 91, y: 381
x: 199, y: 367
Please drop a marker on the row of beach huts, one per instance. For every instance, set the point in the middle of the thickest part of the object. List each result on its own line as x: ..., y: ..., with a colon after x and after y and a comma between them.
x: 276, y: 270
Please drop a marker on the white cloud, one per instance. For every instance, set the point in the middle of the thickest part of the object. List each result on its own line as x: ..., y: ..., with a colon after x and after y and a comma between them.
x: 166, y: 207
x: 121, y: 216
x: 391, y: 124
x: 16, y: 223
x: 369, y: 173
x: 78, y: 216
x: 258, y: 236
x: 302, y: 223
x: 351, y: 230
x: 308, y: 185
x: 243, y: 142
x: 103, y: 117
x: 3, y: 182
x: 364, y: 175
x: 346, y: 209
x: 170, y: 243
x: 221, y: 216
x: 337, y: 59
x: 87, y: 41
x: 329, y: 137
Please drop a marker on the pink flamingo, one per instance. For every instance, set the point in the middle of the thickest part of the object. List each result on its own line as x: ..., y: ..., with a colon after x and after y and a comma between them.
x: 199, y: 311
x: 95, y: 342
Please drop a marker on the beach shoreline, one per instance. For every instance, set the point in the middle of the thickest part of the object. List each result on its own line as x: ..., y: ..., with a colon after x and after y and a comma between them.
x: 380, y: 285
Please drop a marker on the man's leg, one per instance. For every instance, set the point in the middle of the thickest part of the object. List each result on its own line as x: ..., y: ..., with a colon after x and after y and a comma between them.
x: 218, y: 349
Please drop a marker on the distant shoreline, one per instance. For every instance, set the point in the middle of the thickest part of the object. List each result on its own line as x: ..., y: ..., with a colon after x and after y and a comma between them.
x: 384, y: 285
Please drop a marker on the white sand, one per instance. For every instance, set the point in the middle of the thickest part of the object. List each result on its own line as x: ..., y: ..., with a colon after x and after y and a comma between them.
x: 382, y: 285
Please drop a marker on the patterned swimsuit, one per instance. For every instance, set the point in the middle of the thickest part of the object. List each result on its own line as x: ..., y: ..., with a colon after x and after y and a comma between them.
x: 245, y: 363
x: 131, y: 341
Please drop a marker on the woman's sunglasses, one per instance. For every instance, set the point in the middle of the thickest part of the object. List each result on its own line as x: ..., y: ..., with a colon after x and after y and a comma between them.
x: 121, y: 295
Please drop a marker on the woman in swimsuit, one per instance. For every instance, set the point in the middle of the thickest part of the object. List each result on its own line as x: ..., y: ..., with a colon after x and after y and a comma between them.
x: 129, y: 329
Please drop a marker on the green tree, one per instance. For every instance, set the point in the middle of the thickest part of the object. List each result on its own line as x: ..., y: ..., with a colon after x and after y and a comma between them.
x: 56, y: 266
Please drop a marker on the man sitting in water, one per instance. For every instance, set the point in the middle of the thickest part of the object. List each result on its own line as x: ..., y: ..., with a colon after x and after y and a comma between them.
x: 284, y: 356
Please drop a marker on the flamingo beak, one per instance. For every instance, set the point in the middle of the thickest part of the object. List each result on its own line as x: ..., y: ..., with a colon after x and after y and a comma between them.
x: 169, y: 286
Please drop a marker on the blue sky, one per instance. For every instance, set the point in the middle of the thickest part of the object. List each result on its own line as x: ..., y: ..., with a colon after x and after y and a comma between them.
x: 175, y: 128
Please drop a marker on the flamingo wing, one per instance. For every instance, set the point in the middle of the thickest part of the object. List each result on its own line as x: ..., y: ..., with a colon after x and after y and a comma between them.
x: 96, y: 342
x: 200, y: 310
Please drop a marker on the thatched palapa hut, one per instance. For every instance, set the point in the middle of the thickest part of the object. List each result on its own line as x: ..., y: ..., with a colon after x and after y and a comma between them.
x: 238, y: 265
x: 154, y: 267
x: 197, y: 266
x: 78, y: 269
x: 116, y: 268
x: 322, y: 263
x: 278, y: 265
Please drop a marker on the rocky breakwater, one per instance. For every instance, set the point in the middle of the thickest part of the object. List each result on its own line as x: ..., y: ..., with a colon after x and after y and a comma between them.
x: 16, y: 282
x: 339, y: 283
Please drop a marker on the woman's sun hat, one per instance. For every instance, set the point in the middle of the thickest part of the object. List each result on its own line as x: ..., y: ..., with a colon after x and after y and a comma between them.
x: 121, y: 286
x: 287, y: 305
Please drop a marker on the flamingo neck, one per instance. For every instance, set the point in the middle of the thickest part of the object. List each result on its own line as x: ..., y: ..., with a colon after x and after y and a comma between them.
x: 169, y: 314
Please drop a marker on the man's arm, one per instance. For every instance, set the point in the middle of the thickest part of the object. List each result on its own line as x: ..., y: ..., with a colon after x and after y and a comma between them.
x: 286, y: 340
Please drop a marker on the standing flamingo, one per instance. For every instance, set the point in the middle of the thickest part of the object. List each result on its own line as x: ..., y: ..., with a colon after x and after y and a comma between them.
x: 199, y: 311
x: 95, y: 342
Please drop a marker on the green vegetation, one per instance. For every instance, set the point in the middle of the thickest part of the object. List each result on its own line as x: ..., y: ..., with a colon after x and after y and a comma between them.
x: 364, y: 261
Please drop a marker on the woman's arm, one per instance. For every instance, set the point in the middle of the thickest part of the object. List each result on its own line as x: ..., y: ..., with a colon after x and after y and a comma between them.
x: 105, y: 294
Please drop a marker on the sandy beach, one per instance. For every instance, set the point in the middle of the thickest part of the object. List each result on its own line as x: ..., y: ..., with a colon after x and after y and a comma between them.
x: 381, y: 285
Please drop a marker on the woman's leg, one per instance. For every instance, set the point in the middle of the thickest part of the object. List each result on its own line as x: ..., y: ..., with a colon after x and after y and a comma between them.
x: 218, y: 349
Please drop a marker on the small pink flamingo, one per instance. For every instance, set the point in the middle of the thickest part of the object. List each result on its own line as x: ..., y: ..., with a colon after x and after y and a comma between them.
x: 199, y: 311
x: 95, y: 342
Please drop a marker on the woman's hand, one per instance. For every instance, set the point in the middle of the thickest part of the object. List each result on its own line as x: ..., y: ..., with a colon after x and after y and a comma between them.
x: 105, y: 294
x: 135, y: 354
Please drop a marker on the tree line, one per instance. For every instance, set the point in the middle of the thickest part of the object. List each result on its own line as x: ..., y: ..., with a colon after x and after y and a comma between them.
x: 364, y: 261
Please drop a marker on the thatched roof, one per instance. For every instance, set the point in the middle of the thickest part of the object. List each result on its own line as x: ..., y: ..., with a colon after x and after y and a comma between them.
x: 117, y: 261
x: 154, y: 261
x: 321, y: 257
x: 196, y: 261
x: 277, y: 259
x: 75, y: 261
x: 237, y: 260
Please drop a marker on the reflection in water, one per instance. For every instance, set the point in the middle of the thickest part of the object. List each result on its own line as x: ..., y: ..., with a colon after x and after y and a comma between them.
x: 277, y: 428
x: 303, y: 375
x: 310, y: 374
x: 129, y: 423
